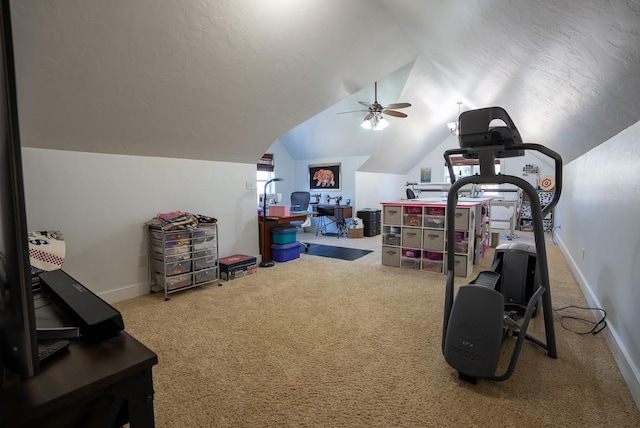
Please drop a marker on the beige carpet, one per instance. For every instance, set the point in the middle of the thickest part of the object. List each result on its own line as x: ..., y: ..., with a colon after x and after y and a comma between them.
x: 320, y: 342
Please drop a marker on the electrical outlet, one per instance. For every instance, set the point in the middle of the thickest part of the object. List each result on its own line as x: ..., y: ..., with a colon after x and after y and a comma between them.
x: 142, y: 261
x: 251, y: 185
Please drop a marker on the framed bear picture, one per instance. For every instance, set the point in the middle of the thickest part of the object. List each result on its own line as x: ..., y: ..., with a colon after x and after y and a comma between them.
x: 324, y: 176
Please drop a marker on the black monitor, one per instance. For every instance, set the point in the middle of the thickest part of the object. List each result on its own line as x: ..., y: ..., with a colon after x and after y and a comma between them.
x: 18, y: 339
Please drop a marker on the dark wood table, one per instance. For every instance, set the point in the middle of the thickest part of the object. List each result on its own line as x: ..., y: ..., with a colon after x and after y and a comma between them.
x: 103, y: 384
x: 265, y: 228
x: 337, y: 214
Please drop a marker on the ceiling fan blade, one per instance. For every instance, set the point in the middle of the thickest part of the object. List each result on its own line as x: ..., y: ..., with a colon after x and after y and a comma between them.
x: 398, y: 105
x: 367, y: 117
x: 394, y: 113
x: 365, y: 104
x: 352, y: 111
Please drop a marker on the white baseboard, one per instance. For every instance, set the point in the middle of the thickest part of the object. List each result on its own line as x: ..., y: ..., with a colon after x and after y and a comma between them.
x: 125, y: 293
x: 629, y: 371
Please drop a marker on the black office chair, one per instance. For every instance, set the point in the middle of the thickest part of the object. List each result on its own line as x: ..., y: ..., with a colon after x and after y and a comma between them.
x: 410, y: 194
x: 300, y: 202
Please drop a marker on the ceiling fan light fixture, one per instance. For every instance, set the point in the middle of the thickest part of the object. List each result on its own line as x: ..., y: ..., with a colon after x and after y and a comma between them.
x: 377, y: 123
x: 380, y: 124
x: 374, y: 119
x: 453, y: 127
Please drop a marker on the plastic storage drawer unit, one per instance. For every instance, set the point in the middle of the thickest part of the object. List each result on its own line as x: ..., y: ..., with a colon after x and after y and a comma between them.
x: 434, y: 221
x: 391, y: 239
x: 175, y: 268
x: 205, y: 275
x: 174, y: 282
x: 433, y: 261
x: 203, y: 259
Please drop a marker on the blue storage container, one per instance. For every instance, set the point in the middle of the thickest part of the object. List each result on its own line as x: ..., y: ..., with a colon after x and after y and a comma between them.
x: 285, y: 252
x: 284, y: 235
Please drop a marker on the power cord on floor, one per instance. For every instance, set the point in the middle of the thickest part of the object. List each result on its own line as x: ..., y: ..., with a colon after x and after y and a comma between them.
x: 597, y: 326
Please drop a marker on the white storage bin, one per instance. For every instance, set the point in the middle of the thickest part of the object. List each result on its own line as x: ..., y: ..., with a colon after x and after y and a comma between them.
x: 174, y: 282
x: 391, y: 239
x: 202, y: 261
x: 206, y: 275
x: 171, y: 268
x: 410, y: 263
x: 434, y: 221
x: 204, y: 231
x: 432, y: 265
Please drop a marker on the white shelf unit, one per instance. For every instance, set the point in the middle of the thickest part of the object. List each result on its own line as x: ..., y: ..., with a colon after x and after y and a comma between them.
x: 183, y: 259
x: 526, y: 219
x: 414, y: 235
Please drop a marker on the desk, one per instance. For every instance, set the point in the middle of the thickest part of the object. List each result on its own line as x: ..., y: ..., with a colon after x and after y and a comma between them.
x: 106, y: 384
x: 273, y: 222
x: 338, y: 213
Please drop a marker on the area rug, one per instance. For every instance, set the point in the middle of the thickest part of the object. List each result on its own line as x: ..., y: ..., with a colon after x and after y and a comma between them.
x: 341, y: 253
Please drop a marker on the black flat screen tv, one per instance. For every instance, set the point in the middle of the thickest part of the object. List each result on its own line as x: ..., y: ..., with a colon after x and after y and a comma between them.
x: 18, y: 338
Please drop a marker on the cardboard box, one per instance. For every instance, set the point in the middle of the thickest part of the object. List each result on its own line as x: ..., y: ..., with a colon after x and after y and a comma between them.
x: 352, y: 232
x: 279, y: 210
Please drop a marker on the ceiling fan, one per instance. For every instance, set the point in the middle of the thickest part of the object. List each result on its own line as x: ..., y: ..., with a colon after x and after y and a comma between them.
x: 374, y: 119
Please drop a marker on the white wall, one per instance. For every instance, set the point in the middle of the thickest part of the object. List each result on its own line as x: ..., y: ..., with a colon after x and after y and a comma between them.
x: 373, y: 188
x: 365, y: 190
x: 100, y: 203
x: 348, y: 166
x: 284, y: 168
x: 598, y: 215
x: 511, y: 166
x: 433, y: 160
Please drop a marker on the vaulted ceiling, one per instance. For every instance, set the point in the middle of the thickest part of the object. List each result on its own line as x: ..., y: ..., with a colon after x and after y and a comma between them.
x: 222, y: 80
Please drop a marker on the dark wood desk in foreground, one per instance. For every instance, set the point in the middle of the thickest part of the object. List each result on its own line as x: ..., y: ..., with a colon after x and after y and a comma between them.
x: 273, y: 222
x: 104, y: 384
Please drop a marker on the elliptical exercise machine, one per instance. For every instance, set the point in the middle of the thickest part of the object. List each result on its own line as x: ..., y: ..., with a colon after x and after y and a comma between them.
x: 482, y: 314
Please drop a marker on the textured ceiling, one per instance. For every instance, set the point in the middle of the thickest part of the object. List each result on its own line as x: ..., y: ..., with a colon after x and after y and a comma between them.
x: 221, y: 80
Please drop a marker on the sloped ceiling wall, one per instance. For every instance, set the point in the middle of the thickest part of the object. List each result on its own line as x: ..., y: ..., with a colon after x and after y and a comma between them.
x: 221, y: 80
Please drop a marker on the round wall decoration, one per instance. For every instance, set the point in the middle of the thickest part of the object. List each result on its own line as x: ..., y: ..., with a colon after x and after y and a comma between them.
x: 547, y: 183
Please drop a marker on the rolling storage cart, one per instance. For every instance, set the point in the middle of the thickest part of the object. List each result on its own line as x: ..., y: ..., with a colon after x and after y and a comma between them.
x: 182, y: 259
